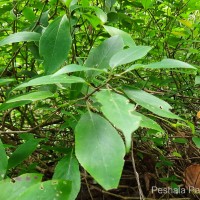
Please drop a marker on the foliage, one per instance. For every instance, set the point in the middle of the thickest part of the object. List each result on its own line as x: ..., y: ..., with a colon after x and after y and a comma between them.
x: 83, y: 81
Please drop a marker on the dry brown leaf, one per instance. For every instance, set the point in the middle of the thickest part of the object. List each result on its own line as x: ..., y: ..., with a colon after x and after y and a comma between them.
x: 192, y: 176
x: 198, y: 115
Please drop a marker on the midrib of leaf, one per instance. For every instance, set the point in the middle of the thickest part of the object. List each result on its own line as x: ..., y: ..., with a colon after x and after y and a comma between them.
x: 69, y: 168
x: 56, y: 37
x: 99, y: 144
x: 105, y: 55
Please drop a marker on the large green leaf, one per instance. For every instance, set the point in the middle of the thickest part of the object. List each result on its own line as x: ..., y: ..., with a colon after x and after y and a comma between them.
x: 169, y: 63
x: 32, y: 96
x: 150, y: 102
x: 52, y: 189
x: 147, y: 122
x: 68, y: 169
x: 3, y: 161
x: 20, y: 37
x: 11, y: 190
x: 55, y: 44
x: 128, y: 55
x: 6, y: 81
x: 196, y: 141
x: 51, y: 79
x: 6, y: 106
x: 25, y: 99
x: 22, y: 152
x: 119, y: 111
x: 164, y: 64
x: 147, y: 3
x: 100, y: 56
x: 99, y: 149
x: 128, y: 41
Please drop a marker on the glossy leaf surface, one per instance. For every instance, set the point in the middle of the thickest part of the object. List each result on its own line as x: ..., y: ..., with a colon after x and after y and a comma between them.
x: 99, y: 149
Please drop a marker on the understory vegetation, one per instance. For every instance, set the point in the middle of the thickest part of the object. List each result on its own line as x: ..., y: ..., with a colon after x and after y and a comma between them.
x: 99, y: 99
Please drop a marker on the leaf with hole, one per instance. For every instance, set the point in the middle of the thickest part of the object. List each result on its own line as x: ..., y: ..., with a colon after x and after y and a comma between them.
x: 68, y: 169
x: 118, y: 111
x: 52, y: 189
x: 12, y: 190
x: 150, y: 102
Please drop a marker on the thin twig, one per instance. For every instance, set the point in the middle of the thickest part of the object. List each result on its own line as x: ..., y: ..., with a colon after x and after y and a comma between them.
x: 136, y: 174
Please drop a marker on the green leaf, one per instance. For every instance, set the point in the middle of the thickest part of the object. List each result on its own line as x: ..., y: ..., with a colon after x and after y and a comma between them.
x: 196, y: 141
x: 169, y: 63
x: 128, y: 41
x: 118, y: 110
x: 180, y: 140
x: 74, y: 68
x: 51, y: 79
x: 67, y: 2
x: 32, y: 96
x: 176, y: 154
x: 6, y: 81
x: 52, y: 189
x: 20, y: 37
x: 3, y: 161
x: 100, y: 56
x: 197, y: 80
x: 151, y: 102
x: 6, y: 106
x: 147, y: 3
x: 101, y: 15
x: 55, y: 44
x: 93, y: 20
x: 29, y: 14
x: 164, y: 64
x: 12, y: 190
x: 22, y: 152
x: 68, y: 169
x: 128, y: 55
x: 99, y: 149
x: 146, y: 122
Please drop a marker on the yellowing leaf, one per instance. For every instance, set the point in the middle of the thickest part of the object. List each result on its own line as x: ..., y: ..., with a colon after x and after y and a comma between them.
x: 178, y: 33
x: 186, y: 23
